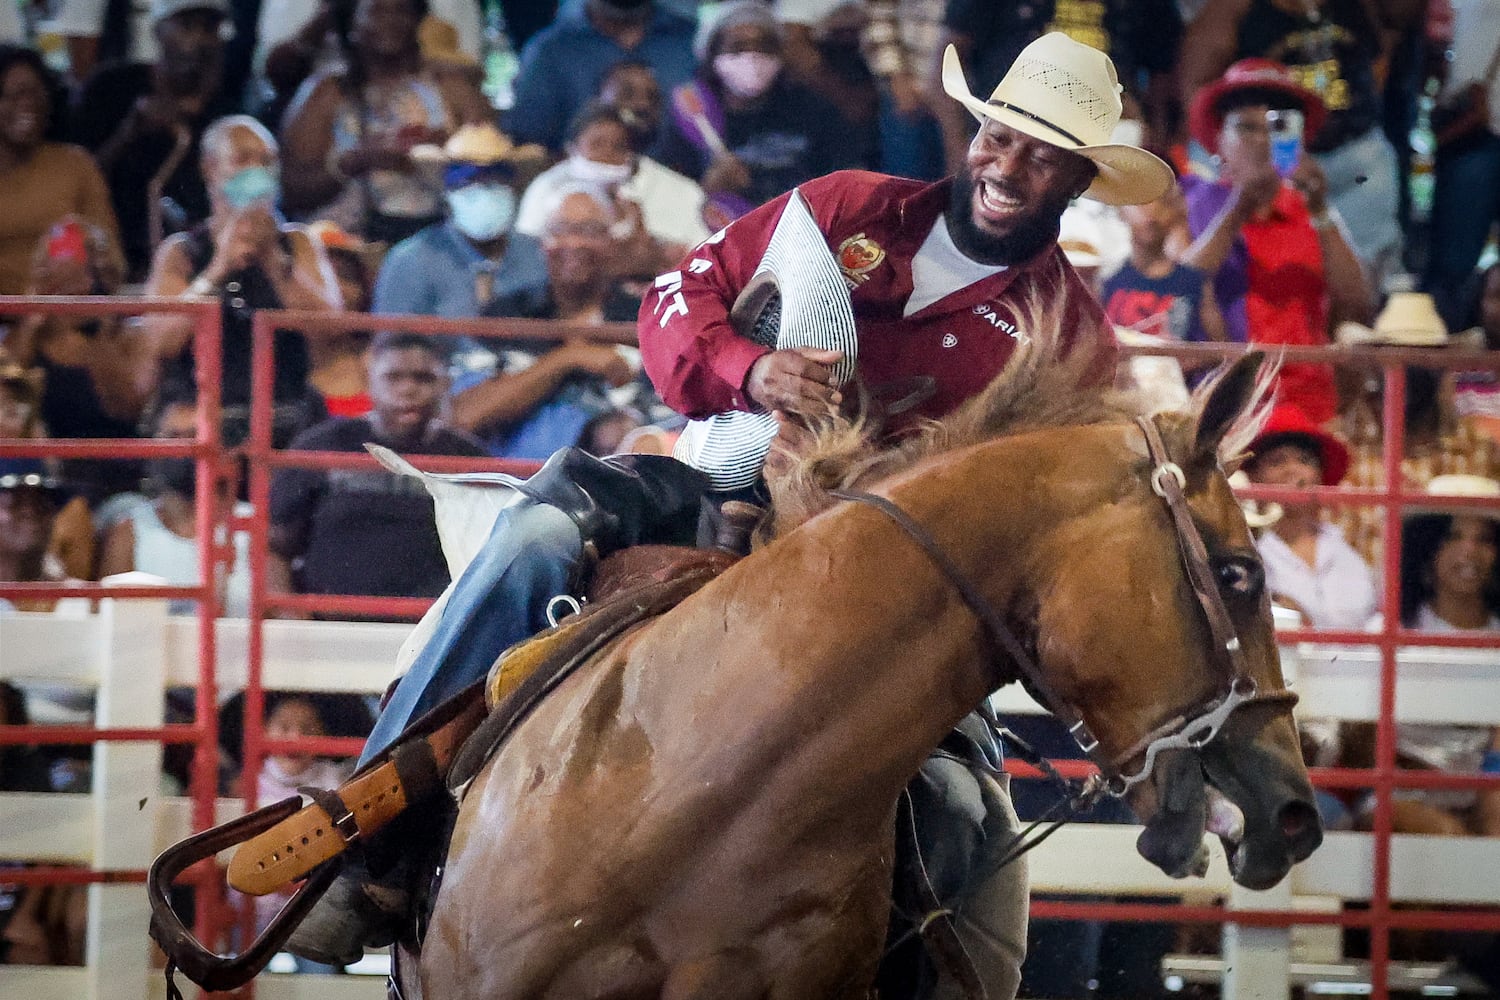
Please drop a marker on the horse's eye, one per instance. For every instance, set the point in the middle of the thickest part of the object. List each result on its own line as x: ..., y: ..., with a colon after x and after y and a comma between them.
x: 1240, y: 577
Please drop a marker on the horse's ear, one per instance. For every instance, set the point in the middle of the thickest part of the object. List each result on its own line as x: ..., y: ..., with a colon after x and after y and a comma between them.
x: 1231, y: 393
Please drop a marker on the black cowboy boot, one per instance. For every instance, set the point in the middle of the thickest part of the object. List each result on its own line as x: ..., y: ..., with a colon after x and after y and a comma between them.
x: 357, y: 912
x: 616, y: 502
x: 622, y: 500
x: 370, y: 904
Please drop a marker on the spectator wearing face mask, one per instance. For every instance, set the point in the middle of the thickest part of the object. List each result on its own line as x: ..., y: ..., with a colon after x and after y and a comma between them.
x: 531, y: 399
x: 160, y: 534
x: 456, y: 267
x: 744, y: 128
x: 661, y: 210
x: 249, y: 258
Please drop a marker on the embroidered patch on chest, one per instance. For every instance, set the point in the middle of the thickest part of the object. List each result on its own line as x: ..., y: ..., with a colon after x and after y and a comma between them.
x: 858, y: 256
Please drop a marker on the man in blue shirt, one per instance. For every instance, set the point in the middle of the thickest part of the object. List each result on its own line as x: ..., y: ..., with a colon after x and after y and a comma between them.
x: 564, y: 63
x: 455, y: 268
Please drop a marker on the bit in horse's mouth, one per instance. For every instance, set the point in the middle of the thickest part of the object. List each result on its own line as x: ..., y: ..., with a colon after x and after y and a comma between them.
x: 1226, y: 821
x: 1189, y: 806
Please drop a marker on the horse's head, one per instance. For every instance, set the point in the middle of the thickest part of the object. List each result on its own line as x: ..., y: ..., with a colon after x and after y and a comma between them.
x: 1122, y: 636
x: 1049, y: 489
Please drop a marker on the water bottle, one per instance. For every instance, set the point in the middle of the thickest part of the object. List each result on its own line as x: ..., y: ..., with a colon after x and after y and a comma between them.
x: 1422, y: 180
x: 500, y: 62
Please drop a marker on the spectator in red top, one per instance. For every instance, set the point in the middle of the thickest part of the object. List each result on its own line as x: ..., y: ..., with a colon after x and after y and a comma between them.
x: 1284, y: 271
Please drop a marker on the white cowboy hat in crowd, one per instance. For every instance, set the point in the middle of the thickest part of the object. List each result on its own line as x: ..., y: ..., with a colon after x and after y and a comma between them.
x: 1409, y: 319
x: 1067, y: 94
x: 1257, y: 514
x: 1459, y: 484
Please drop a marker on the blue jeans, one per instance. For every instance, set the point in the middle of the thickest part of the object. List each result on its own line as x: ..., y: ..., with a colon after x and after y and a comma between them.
x: 910, y: 145
x: 1465, y: 205
x: 501, y: 598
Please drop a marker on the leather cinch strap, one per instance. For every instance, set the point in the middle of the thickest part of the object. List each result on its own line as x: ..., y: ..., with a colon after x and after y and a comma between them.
x: 361, y: 806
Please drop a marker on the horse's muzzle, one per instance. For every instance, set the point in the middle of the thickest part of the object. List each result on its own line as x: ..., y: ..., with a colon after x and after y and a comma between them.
x: 1281, y: 822
x: 1261, y: 810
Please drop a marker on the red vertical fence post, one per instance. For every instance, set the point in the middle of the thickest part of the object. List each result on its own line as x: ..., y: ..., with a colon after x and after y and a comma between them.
x: 1393, y: 418
x: 204, y: 781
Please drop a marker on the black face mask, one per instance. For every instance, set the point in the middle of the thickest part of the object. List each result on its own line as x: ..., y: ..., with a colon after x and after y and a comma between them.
x: 180, y: 475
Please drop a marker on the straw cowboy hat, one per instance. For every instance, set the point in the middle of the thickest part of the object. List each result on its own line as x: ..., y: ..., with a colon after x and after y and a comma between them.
x: 481, y: 145
x: 1261, y: 77
x: 1256, y: 515
x: 1409, y: 319
x: 1288, y: 424
x: 1459, y: 484
x: 1067, y: 94
x: 440, y: 44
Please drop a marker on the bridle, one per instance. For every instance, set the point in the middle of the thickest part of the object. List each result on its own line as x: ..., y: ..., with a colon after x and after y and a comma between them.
x: 1189, y: 728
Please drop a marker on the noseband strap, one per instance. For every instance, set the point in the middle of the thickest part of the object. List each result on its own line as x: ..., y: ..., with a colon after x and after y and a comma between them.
x: 1191, y: 728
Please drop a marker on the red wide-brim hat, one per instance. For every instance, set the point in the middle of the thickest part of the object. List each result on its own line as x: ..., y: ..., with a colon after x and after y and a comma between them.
x: 1259, y: 75
x: 1288, y: 422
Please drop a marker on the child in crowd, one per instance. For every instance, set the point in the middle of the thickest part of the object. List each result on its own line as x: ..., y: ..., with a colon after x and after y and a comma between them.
x: 291, y: 717
x: 1153, y: 292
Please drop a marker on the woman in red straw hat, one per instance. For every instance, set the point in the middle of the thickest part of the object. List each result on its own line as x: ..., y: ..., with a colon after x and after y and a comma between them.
x: 1309, y: 566
x: 1284, y: 272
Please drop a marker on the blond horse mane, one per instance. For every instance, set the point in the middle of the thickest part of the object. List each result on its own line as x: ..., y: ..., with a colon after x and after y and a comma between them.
x: 1038, y: 388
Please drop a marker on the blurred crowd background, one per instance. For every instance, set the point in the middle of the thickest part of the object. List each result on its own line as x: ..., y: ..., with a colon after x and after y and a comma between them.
x: 1340, y: 184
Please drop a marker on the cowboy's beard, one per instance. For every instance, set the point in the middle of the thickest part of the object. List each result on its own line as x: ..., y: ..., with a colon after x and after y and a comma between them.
x: 1029, y: 235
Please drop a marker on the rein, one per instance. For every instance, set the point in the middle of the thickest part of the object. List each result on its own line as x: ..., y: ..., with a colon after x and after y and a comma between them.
x: 1190, y: 728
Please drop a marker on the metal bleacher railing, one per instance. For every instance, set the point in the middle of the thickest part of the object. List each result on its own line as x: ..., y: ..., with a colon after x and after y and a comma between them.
x: 130, y: 651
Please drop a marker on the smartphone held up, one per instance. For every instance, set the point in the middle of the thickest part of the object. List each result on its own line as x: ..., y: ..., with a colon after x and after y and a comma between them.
x: 1286, y: 127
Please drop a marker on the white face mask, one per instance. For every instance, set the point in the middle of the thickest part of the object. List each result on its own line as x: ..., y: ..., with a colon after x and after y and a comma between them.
x: 593, y: 172
x: 747, y: 74
x: 482, y: 211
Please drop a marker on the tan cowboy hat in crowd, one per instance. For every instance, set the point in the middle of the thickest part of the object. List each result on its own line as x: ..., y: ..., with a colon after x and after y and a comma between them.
x: 1459, y: 484
x: 1067, y: 94
x: 1409, y: 319
x: 482, y: 145
x: 440, y: 44
x: 1257, y: 515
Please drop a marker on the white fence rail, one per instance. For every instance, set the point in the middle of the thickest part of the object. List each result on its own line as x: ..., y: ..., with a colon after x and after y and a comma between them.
x: 129, y: 652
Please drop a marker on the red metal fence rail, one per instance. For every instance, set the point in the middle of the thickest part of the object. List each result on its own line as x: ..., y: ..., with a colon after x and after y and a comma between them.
x: 1383, y: 778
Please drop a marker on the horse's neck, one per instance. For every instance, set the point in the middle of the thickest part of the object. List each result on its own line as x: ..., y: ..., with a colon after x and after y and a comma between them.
x: 894, y: 657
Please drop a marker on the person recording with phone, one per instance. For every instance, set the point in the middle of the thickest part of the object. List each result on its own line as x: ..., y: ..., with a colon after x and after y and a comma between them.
x: 1284, y: 271
x: 41, y: 178
x: 97, y: 373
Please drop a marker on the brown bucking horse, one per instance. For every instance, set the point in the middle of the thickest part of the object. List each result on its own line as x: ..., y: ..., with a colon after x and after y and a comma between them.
x: 707, y: 808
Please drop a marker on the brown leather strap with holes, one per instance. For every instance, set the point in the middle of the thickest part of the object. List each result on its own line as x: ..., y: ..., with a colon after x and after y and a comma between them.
x: 361, y: 806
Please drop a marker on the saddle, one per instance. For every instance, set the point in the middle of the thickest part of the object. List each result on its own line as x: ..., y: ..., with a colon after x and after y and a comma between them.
x: 284, y: 842
x: 629, y: 587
